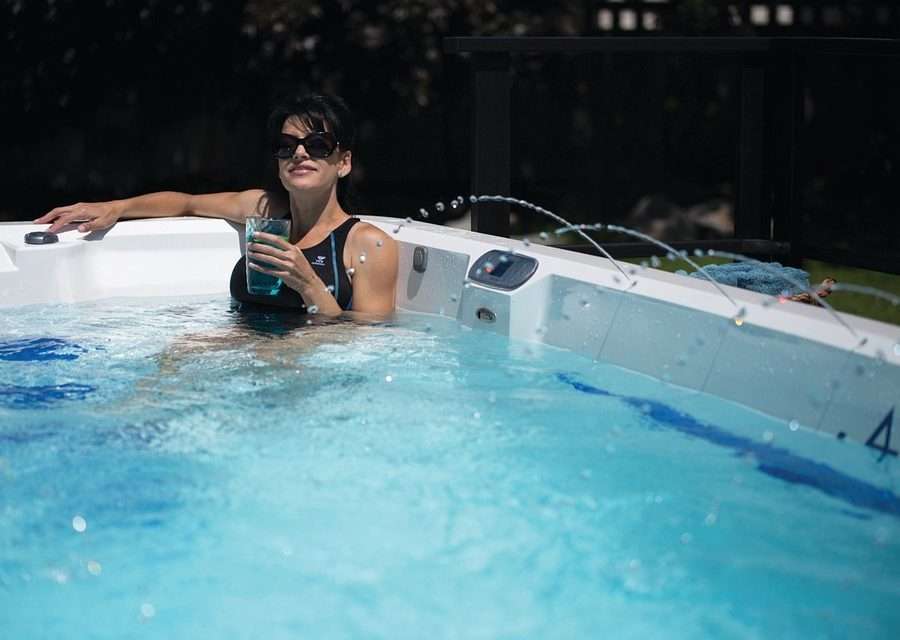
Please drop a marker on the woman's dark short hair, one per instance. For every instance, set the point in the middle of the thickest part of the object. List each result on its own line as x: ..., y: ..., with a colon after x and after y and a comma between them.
x: 318, y: 112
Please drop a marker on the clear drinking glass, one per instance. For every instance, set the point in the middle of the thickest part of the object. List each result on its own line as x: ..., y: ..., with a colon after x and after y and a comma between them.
x: 261, y: 284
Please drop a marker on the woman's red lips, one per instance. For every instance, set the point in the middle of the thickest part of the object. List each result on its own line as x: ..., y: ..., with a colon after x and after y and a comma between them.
x: 303, y: 167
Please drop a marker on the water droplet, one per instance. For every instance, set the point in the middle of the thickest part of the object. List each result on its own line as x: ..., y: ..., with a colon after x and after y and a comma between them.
x: 362, y: 258
x: 710, y: 519
x: 79, y: 524
x: 473, y: 199
x: 59, y: 576
x: 488, y: 266
x: 793, y: 425
x: 409, y: 221
x: 768, y: 436
x: 312, y: 309
x: 351, y: 271
x: 671, y: 256
x: 686, y: 538
x: 454, y: 204
x: 453, y: 298
x: 655, y: 261
x: 544, y: 235
x: 330, y: 288
x: 424, y: 213
x: 439, y: 207
x: 644, y: 264
x: 397, y: 228
x: 148, y: 610
x: 526, y: 242
x: 389, y: 378
x: 379, y: 243
x: 94, y: 567
x: 476, y: 415
x: 585, y: 303
x: 698, y: 252
x: 541, y: 330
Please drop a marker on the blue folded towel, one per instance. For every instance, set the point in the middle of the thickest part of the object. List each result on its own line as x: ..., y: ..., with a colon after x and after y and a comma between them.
x: 771, y: 279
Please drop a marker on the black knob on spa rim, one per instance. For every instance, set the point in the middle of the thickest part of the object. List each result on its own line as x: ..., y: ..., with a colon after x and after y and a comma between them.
x: 41, y: 237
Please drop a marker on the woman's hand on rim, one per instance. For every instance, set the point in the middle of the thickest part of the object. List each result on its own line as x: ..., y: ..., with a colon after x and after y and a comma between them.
x: 93, y: 216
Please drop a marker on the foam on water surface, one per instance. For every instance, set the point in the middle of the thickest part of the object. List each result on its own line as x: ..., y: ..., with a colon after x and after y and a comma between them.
x: 173, y: 468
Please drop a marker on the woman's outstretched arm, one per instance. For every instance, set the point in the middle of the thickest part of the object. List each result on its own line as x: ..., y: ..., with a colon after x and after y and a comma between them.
x: 93, y: 216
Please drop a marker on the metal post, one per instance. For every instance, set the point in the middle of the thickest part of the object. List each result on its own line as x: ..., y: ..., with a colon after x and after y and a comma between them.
x: 750, y: 220
x: 785, y: 113
x: 492, y: 85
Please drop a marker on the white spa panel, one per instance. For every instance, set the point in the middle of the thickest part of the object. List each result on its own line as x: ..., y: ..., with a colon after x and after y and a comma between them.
x: 673, y: 343
x: 789, y: 377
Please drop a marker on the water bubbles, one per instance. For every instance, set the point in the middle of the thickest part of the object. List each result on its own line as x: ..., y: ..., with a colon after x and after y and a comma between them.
x: 59, y: 576
x: 408, y: 220
x: 768, y: 436
x: 389, y: 378
x: 439, y: 207
x: 330, y: 288
x: 473, y: 199
x: 424, y: 213
x: 454, y: 204
x: 544, y: 236
x: 526, y: 242
x: 147, y: 610
x: 379, y: 243
x: 362, y: 258
x: 671, y: 257
x: 698, y: 253
x: 94, y: 567
x: 655, y: 261
x: 350, y: 272
x: 488, y: 266
x: 585, y: 303
x: 793, y: 425
x: 686, y: 538
x: 710, y: 519
x: 453, y: 297
x: 312, y: 309
x: 644, y: 264
x: 540, y: 330
x: 476, y: 415
x: 738, y: 318
x: 397, y: 229
x: 79, y: 524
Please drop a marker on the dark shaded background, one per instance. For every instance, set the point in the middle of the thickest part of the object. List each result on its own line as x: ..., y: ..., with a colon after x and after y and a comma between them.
x: 110, y: 98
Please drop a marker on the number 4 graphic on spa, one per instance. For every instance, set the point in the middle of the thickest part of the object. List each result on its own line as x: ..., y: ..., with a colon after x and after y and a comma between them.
x: 885, y: 426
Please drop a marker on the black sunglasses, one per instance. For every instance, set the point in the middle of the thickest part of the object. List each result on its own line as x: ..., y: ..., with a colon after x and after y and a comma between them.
x: 319, y: 144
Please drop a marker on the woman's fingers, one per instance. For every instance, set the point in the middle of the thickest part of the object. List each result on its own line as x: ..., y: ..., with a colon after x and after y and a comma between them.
x: 270, y: 272
x: 278, y: 241
x: 268, y: 258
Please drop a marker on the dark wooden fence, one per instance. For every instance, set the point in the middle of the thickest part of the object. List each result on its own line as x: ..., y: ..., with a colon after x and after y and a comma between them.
x: 767, y: 217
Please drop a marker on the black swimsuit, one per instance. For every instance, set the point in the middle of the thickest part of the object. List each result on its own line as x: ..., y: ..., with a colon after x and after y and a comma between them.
x: 326, y: 259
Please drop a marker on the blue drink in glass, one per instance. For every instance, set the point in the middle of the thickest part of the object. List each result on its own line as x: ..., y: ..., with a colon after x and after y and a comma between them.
x: 261, y: 284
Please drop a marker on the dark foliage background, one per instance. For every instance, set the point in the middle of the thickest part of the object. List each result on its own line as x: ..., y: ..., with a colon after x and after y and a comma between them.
x: 103, y: 99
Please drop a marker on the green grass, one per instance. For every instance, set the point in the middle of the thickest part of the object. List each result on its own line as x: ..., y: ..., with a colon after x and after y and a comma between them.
x: 855, y: 303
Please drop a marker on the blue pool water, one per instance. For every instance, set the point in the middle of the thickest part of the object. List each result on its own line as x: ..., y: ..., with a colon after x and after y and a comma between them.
x: 173, y: 469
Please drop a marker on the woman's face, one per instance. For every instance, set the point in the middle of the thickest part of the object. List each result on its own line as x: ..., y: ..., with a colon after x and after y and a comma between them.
x: 302, y: 172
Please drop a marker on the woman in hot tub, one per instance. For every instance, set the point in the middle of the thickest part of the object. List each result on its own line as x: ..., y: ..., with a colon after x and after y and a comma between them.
x: 333, y: 262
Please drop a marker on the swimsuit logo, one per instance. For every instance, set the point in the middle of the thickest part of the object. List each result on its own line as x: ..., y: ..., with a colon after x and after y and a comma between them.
x: 319, y: 261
